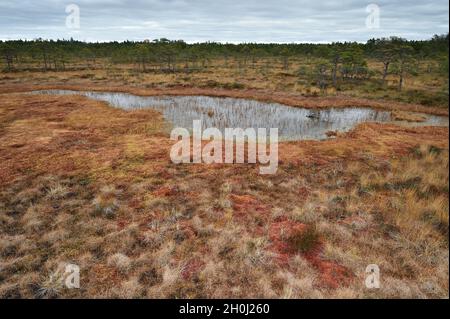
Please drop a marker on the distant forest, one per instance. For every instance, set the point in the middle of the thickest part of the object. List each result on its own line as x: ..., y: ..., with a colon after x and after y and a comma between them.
x: 348, y: 59
x: 168, y: 51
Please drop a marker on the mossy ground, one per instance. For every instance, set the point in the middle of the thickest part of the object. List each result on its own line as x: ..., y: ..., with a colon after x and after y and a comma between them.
x: 84, y: 183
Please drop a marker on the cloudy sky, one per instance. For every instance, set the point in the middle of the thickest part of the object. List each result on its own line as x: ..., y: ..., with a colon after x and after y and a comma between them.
x: 223, y: 20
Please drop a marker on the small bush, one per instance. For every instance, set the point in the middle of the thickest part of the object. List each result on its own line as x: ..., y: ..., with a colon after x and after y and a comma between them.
x: 434, y: 150
x: 234, y: 85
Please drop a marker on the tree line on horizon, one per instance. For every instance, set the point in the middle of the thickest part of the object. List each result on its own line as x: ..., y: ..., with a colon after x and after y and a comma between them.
x: 346, y: 59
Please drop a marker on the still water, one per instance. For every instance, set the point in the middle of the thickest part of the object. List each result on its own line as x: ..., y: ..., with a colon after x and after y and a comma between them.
x: 293, y: 123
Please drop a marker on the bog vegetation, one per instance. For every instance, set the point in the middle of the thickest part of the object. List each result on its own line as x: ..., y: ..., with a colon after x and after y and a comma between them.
x: 88, y: 184
x: 356, y: 68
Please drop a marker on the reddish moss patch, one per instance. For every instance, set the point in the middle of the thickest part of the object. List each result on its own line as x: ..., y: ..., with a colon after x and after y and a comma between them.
x: 332, y: 275
x: 192, y: 268
x: 281, y: 234
x: 303, y: 193
x: 165, y: 191
x: 244, y: 204
x: 122, y: 223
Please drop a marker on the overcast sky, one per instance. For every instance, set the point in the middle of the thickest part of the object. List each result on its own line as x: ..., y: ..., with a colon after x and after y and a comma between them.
x: 223, y: 20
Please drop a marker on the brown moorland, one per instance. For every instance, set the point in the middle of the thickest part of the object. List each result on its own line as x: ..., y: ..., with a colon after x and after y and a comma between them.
x: 84, y: 183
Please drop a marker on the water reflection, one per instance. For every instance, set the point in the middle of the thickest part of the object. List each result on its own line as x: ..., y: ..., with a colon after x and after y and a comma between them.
x: 292, y: 123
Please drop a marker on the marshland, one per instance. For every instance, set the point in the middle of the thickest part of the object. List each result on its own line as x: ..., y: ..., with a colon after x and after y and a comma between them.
x: 86, y: 177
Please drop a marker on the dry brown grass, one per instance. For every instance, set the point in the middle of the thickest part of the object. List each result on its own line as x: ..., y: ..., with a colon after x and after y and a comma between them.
x: 407, y: 116
x: 84, y: 183
x: 266, y: 80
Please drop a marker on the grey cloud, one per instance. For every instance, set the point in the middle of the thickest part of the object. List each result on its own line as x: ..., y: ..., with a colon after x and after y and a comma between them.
x: 225, y: 21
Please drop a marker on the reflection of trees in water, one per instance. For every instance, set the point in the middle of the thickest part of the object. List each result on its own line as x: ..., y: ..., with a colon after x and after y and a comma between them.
x: 292, y: 123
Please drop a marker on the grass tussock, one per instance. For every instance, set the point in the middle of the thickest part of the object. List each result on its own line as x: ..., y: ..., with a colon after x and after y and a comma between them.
x: 304, y: 241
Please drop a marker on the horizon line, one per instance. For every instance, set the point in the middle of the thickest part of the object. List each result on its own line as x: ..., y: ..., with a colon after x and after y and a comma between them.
x: 218, y: 42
